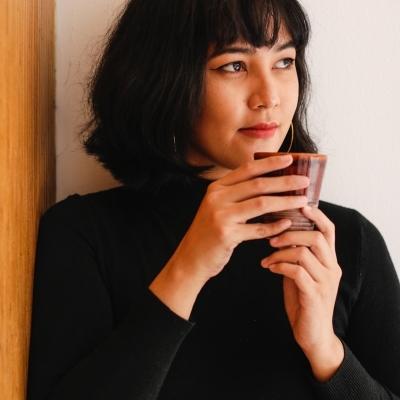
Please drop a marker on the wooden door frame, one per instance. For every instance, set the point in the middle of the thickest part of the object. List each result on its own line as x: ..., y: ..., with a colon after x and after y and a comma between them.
x: 27, y: 171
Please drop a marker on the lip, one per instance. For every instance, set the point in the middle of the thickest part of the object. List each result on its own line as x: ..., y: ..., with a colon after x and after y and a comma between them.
x: 262, y: 126
x: 264, y: 130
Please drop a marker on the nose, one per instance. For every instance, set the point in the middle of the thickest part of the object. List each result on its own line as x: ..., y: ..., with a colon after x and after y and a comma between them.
x: 264, y: 94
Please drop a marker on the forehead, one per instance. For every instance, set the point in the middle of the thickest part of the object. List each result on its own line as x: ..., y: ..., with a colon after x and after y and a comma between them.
x: 283, y: 37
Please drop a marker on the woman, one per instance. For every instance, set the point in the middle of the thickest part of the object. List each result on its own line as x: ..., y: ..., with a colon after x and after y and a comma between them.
x: 159, y: 289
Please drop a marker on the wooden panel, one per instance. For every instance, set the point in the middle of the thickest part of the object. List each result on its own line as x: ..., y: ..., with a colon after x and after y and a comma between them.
x: 27, y: 171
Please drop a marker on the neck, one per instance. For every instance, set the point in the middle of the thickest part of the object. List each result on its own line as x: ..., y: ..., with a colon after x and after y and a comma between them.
x: 213, y: 175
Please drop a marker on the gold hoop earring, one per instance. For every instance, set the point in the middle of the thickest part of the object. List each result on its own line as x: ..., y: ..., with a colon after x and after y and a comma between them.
x: 291, y: 140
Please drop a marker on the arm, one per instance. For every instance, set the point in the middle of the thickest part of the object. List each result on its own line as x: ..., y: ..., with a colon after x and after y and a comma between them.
x: 76, y: 350
x: 371, y: 365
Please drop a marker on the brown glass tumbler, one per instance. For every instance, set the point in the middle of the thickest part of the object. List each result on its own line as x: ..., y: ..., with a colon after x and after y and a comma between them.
x: 308, y: 164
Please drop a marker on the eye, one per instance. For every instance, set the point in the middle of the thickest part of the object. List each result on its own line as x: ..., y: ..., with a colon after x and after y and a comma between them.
x: 289, y: 63
x: 235, y: 66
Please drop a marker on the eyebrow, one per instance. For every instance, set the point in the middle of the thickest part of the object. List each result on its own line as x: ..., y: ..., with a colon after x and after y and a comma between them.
x: 248, y: 50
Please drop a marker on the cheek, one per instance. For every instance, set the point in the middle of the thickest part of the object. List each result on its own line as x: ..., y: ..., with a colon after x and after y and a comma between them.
x: 289, y: 100
x: 294, y: 91
x: 219, y: 105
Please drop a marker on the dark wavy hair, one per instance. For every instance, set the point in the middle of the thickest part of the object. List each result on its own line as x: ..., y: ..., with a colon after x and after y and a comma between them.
x: 148, y: 83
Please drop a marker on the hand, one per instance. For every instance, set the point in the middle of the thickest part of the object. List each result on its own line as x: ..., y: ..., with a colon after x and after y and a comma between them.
x: 220, y: 223
x: 307, y: 260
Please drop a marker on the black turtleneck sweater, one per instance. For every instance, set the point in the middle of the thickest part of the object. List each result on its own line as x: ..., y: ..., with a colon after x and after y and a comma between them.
x: 99, y: 333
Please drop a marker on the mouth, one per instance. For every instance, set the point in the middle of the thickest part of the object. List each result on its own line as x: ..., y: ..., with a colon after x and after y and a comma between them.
x: 260, y: 131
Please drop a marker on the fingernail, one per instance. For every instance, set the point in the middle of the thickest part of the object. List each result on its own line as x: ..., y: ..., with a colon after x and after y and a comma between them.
x: 274, y: 241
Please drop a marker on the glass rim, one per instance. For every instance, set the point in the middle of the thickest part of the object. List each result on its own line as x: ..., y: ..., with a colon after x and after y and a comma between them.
x: 278, y: 153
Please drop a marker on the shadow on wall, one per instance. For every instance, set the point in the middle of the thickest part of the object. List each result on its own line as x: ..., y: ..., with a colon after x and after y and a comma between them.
x: 80, y: 33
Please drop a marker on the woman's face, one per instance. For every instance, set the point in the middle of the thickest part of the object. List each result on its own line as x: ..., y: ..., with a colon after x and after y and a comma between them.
x: 244, y: 87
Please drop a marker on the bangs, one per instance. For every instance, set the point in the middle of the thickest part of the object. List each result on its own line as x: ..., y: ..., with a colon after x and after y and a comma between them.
x: 256, y: 22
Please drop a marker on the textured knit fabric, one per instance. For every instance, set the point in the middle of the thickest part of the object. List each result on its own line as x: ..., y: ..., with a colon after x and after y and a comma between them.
x: 98, y: 332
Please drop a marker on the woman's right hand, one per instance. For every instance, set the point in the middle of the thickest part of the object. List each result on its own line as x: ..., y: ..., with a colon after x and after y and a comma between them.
x: 220, y: 223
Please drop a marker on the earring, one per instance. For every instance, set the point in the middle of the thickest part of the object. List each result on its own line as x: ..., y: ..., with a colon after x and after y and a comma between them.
x: 174, y: 142
x: 291, y: 140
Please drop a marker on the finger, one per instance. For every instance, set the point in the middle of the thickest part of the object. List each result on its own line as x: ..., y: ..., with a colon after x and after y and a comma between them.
x: 264, y: 185
x: 262, y: 231
x: 257, y: 206
x: 254, y: 168
x: 314, y: 240
x: 323, y: 223
x: 300, y: 256
x: 298, y: 274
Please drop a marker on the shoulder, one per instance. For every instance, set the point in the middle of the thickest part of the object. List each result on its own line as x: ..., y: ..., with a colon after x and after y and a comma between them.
x: 358, y: 240
x: 360, y: 249
x: 352, y: 231
x: 80, y: 205
x: 339, y: 214
x: 348, y: 220
x: 92, y: 213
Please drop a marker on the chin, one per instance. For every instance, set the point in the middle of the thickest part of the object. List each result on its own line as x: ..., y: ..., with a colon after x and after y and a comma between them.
x: 261, y: 148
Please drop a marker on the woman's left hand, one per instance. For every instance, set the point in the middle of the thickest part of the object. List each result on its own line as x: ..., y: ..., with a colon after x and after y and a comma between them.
x: 310, y: 284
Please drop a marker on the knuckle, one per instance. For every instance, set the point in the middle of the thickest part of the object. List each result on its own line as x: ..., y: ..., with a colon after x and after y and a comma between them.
x: 262, y: 231
x: 213, y: 187
x: 261, y: 202
x: 211, y: 196
x: 319, y: 238
x: 277, y: 226
x: 299, y: 273
x: 214, y: 220
x: 259, y: 231
x: 259, y: 184
x: 207, y: 204
x: 249, y: 167
x: 222, y: 233
x: 302, y: 252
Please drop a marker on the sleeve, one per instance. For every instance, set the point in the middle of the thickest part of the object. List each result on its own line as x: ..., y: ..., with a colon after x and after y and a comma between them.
x: 371, y: 365
x: 76, y: 352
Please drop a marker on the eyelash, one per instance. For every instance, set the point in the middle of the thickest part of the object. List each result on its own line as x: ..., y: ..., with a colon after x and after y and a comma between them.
x: 290, y: 65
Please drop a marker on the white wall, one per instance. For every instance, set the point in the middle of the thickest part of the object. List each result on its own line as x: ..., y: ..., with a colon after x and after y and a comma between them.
x: 354, y: 59
x: 80, y: 28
